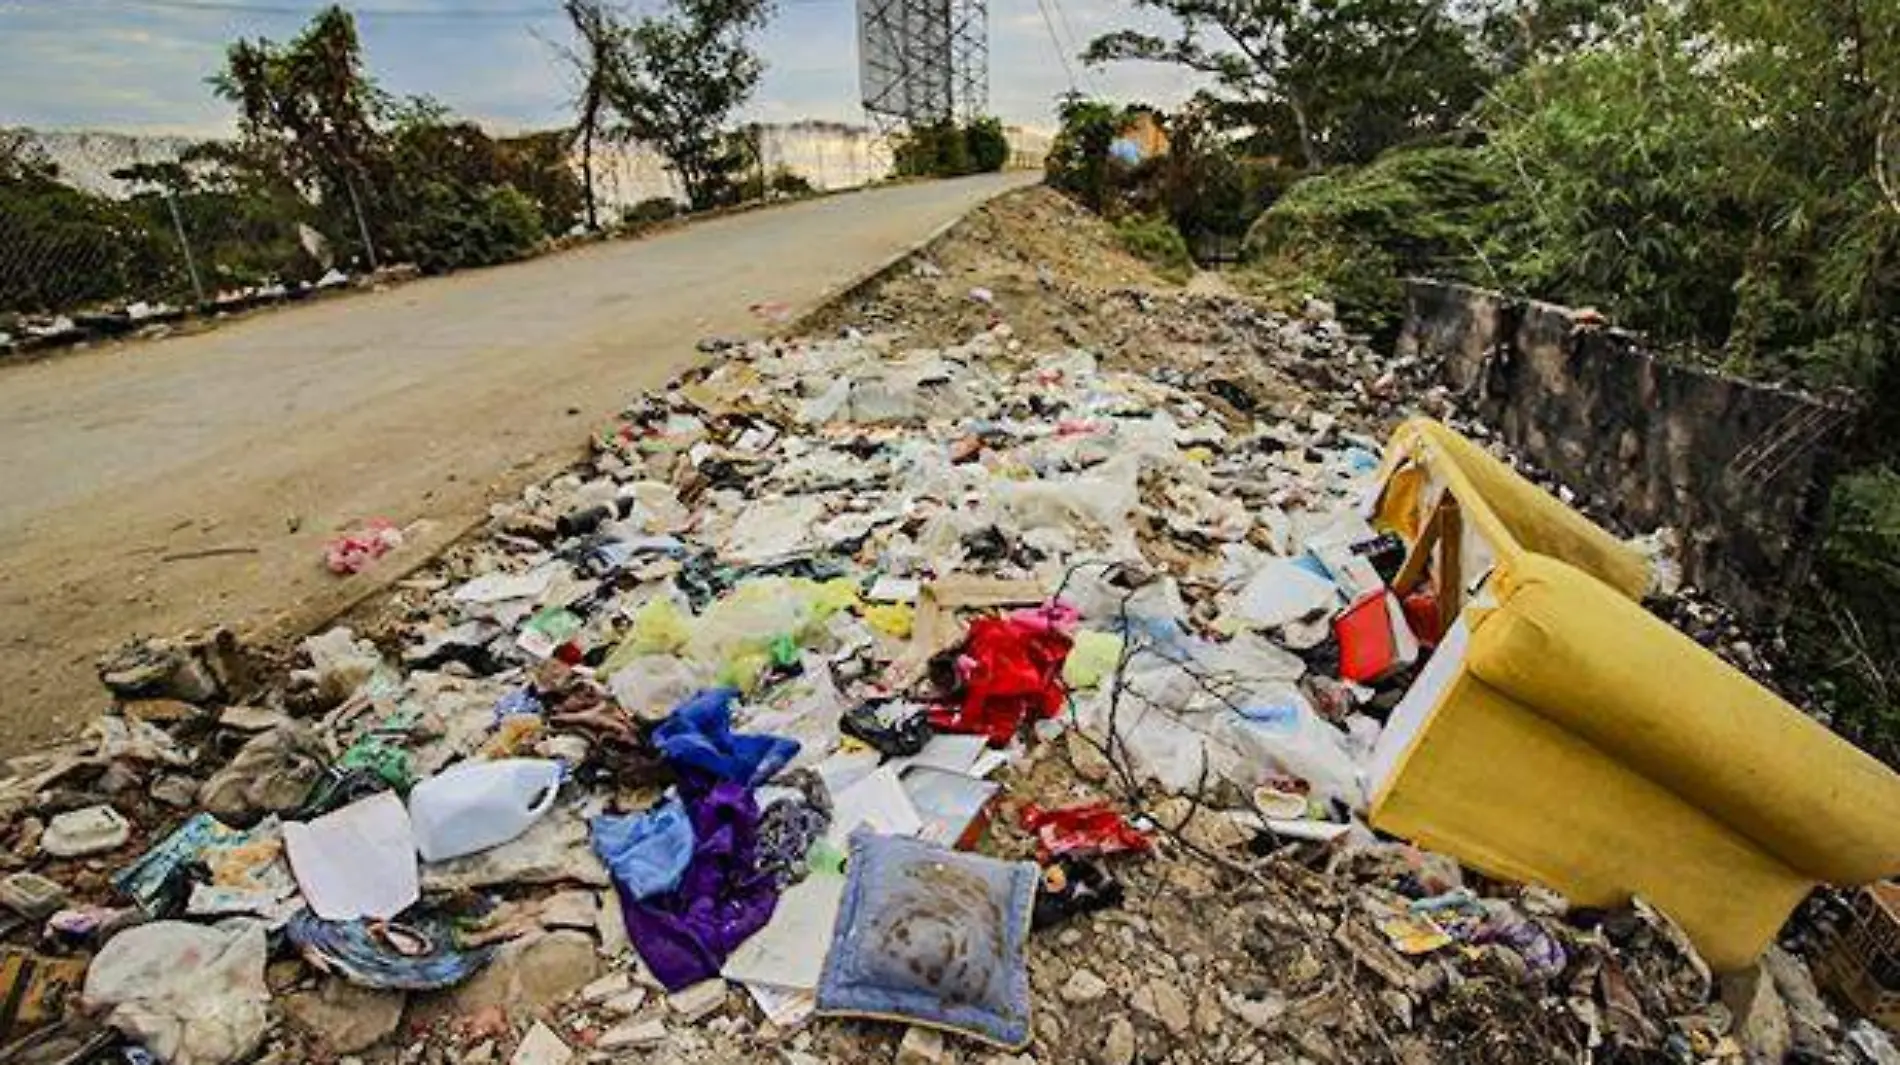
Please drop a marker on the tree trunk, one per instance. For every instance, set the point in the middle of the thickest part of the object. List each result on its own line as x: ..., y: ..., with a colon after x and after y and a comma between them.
x: 587, y: 174
x: 1308, y: 147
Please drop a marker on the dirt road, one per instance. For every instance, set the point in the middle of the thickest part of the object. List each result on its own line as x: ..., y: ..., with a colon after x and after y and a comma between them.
x: 123, y: 466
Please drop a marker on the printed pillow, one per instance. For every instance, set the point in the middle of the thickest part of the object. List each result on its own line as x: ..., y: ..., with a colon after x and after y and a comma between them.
x: 932, y: 937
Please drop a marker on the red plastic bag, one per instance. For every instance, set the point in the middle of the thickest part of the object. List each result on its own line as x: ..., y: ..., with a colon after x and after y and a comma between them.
x: 1092, y: 828
x: 1012, y: 671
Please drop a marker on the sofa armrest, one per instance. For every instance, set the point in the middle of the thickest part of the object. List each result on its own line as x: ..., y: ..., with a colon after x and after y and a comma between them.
x: 1601, y: 667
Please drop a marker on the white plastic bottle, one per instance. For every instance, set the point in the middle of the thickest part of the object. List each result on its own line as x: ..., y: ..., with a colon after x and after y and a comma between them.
x: 473, y: 806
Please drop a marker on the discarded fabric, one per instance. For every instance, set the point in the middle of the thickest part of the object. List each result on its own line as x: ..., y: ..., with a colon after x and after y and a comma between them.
x: 722, y: 898
x: 1087, y: 829
x: 699, y: 736
x: 1012, y: 673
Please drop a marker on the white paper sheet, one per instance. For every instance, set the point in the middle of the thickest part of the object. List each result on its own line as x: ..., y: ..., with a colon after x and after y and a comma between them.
x: 789, y: 952
x: 877, y: 802
x: 359, y: 861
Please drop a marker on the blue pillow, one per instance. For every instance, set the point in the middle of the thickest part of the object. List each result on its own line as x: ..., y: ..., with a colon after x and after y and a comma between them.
x: 932, y: 937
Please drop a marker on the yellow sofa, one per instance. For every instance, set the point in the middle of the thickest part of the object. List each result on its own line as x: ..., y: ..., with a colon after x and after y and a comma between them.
x: 1562, y: 735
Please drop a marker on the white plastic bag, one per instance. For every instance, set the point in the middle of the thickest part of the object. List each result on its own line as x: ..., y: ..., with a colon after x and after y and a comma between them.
x: 191, y: 994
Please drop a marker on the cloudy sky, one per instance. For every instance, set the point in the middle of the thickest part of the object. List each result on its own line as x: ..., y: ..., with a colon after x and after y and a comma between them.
x: 140, y: 65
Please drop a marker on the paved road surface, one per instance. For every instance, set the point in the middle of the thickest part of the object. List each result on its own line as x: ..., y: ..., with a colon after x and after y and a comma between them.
x: 422, y: 402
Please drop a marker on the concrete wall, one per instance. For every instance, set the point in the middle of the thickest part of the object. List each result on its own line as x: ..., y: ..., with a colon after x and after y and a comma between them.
x: 1741, y: 470
x: 830, y: 155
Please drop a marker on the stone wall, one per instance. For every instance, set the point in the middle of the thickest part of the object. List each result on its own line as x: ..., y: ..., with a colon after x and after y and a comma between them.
x: 1741, y: 470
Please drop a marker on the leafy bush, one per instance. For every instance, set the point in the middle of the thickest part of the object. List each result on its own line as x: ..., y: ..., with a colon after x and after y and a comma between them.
x: 1153, y: 238
x: 455, y: 226
x: 1845, y: 638
x: 650, y: 211
x: 1078, y: 161
x: 934, y: 150
x: 785, y: 182
x: 988, y: 146
x: 1354, y: 234
x: 60, y: 248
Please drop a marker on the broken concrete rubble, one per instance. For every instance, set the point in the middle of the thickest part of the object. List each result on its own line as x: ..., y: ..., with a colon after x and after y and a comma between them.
x: 768, y: 526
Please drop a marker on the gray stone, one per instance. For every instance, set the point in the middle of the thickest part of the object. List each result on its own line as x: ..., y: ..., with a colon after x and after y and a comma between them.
x: 1165, y: 1004
x: 611, y: 926
x: 92, y: 830
x: 633, y: 1035
x: 921, y: 1046
x: 1258, y: 1013
x: 571, y: 909
x: 1083, y: 986
x: 699, y: 1001
x: 554, y: 850
x: 627, y: 1004
x: 1761, y: 1017
x: 1118, y: 1048
x: 542, y: 1047
x: 606, y: 987
x: 346, y: 1018
x: 176, y: 791
x: 526, y: 974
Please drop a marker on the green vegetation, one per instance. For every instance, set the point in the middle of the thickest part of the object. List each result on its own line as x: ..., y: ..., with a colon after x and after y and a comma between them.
x: 945, y: 149
x: 1154, y: 239
x: 672, y: 80
x: 1354, y: 234
x: 1205, y: 187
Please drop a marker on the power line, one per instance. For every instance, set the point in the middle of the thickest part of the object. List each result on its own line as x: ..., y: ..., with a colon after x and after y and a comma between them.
x: 1075, y: 42
x: 1056, y: 43
x: 248, y: 8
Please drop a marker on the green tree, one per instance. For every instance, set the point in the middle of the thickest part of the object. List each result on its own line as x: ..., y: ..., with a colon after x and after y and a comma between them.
x: 311, y: 104
x: 679, y: 78
x: 1347, y: 78
x: 1078, y: 162
x: 988, y: 145
x: 600, y: 40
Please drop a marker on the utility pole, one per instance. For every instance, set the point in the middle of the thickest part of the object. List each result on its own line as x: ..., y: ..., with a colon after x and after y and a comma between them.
x: 362, y: 226
x: 184, y: 244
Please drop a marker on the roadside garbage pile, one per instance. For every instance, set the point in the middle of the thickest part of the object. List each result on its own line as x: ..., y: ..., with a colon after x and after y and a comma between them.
x: 968, y: 704
x: 21, y: 333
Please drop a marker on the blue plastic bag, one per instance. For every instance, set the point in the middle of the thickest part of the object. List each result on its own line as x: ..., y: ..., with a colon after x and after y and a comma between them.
x: 647, y: 853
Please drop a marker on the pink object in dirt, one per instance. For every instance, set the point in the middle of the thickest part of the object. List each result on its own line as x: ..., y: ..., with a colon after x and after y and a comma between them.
x: 353, y: 552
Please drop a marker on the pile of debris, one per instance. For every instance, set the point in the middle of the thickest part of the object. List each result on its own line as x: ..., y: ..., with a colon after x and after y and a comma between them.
x: 995, y: 690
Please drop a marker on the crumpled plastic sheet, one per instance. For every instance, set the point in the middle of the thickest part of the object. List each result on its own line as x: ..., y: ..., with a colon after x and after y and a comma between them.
x: 699, y: 736
x: 1174, y: 727
x: 1088, y: 829
x: 1012, y: 672
x: 646, y: 853
x: 416, y: 954
x: 191, y: 994
x: 685, y: 935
